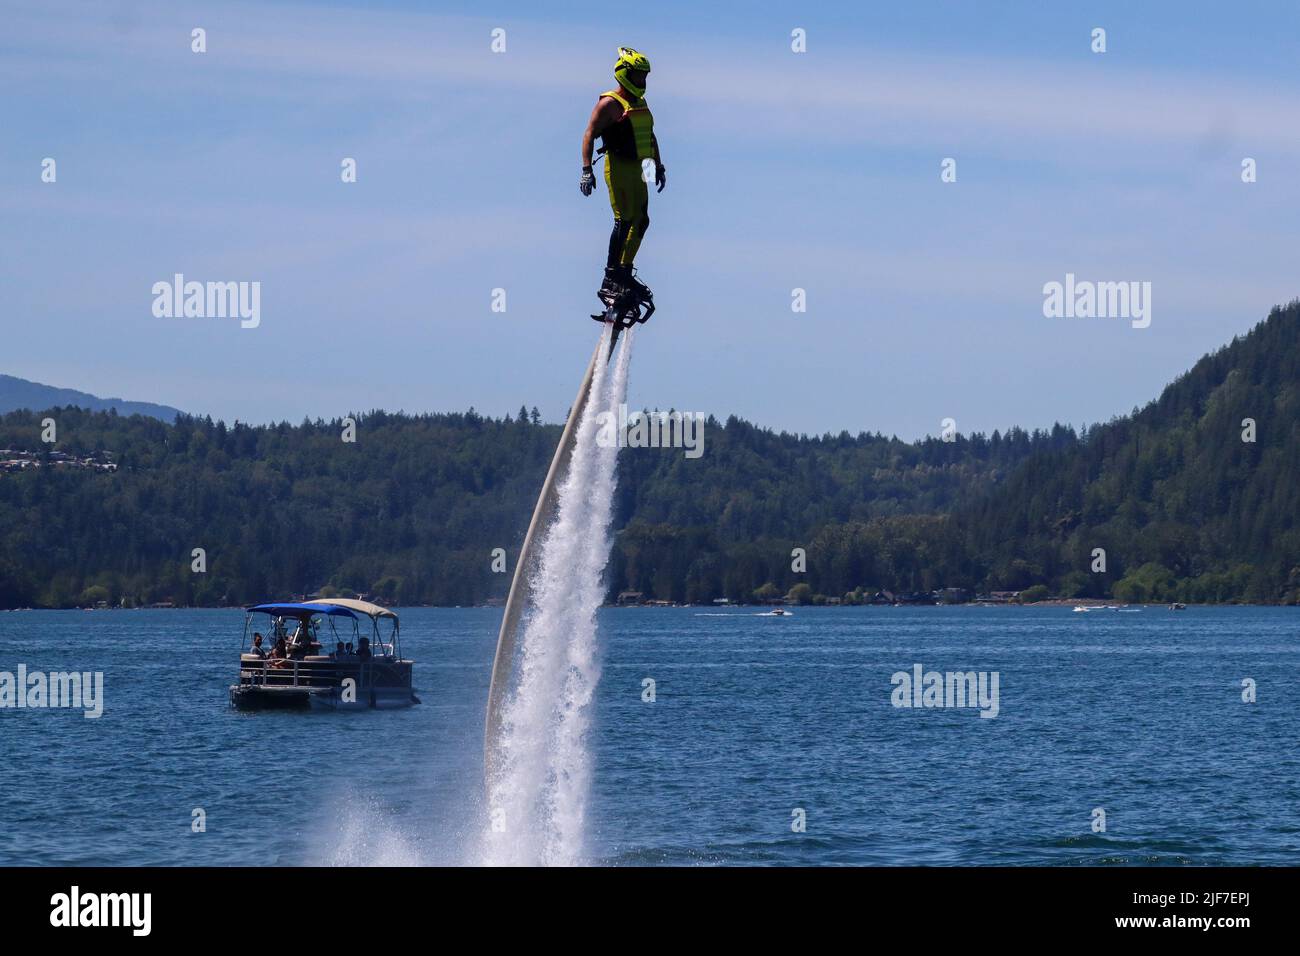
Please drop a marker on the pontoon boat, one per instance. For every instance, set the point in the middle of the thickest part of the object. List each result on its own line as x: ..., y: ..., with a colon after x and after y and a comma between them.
x: 301, y: 665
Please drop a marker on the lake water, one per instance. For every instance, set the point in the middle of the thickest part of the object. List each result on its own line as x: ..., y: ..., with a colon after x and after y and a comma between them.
x: 1138, y: 713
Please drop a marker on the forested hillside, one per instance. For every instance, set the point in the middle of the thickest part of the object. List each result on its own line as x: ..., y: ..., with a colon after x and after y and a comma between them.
x: 410, y: 512
x: 1184, y: 506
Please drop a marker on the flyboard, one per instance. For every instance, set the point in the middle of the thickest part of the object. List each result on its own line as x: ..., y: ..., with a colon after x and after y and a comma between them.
x: 621, y: 314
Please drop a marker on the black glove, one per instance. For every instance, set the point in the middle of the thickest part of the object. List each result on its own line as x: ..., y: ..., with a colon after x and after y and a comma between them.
x: 588, y: 181
x: 661, y: 177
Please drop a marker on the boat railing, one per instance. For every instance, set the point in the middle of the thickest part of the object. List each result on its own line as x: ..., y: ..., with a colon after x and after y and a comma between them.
x: 299, y: 672
x: 293, y: 672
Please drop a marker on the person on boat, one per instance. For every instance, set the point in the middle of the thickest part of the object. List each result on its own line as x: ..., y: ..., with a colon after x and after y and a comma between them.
x: 338, y: 650
x: 301, y: 641
x: 257, y: 647
x: 280, y: 652
x: 623, y: 121
x: 363, y: 649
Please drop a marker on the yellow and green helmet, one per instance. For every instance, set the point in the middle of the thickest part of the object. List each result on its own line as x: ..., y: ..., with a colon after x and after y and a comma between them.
x: 630, y: 61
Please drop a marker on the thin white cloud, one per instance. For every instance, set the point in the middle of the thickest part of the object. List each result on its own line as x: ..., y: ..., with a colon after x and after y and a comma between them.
x: 874, y: 96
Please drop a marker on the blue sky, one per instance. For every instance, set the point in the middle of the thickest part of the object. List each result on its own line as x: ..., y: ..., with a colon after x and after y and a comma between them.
x: 817, y: 170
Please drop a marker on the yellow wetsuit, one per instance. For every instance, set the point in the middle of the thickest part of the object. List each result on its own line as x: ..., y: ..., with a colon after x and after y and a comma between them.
x: 628, y: 142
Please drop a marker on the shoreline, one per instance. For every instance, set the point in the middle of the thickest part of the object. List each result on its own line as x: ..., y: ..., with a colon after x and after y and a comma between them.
x: 1050, y: 602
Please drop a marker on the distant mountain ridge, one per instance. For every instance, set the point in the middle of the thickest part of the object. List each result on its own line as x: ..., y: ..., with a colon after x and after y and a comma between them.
x: 16, y: 393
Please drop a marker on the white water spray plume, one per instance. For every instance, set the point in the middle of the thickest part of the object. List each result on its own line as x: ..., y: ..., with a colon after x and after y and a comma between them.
x: 538, y: 798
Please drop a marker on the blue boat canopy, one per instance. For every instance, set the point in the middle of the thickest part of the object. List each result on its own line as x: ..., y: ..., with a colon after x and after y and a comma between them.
x: 300, y: 610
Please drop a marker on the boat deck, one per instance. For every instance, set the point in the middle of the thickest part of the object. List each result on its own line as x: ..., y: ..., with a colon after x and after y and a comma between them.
x: 322, y: 682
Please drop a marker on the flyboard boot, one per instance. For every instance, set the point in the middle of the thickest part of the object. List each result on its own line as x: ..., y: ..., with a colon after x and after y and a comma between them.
x: 626, y: 298
x: 627, y: 301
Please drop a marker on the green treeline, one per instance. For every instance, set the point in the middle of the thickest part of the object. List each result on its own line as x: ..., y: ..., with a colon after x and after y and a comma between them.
x: 411, y: 512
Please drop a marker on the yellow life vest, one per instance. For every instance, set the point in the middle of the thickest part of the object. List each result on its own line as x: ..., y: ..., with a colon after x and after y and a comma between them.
x: 632, y: 136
